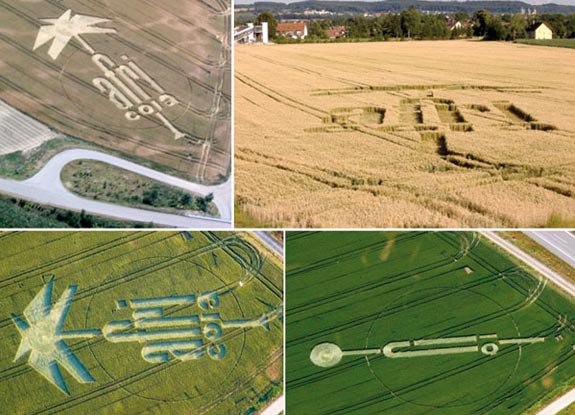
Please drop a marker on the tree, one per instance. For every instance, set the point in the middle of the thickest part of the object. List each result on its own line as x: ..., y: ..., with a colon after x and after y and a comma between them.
x: 517, y: 27
x: 495, y: 29
x: 480, y: 20
x: 460, y: 17
x: 570, y: 26
x: 270, y: 20
x: 315, y: 29
x: 411, y: 22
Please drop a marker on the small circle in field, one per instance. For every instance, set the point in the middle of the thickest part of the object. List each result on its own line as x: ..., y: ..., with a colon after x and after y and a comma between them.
x: 325, y: 354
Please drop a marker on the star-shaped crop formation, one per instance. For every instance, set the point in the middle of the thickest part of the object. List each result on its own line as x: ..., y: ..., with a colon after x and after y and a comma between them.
x: 43, y: 337
x: 66, y: 27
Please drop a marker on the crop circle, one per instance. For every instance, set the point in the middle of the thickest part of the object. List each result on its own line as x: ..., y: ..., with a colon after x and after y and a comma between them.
x: 326, y: 354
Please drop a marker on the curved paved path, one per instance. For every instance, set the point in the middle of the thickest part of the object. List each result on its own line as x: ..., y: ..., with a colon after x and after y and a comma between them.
x: 46, y: 187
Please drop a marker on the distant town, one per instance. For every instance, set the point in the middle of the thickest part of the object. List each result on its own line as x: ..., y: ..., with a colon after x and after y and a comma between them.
x: 327, y: 25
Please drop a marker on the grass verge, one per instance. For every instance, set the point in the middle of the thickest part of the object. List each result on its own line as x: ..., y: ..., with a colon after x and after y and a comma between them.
x: 559, y: 43
x: 540, y: 253
x: 101, y: 181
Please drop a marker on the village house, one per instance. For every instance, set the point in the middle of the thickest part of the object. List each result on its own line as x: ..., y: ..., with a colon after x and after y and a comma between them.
x: 295, y: 30
x: 539, y: 31
x: 336, y: 32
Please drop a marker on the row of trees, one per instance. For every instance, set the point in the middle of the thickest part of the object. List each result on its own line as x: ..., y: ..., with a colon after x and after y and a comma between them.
x: 413, y: 24
x: 514, y: 26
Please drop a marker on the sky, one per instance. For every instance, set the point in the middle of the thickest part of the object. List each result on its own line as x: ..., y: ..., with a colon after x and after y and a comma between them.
x: 535, y: 2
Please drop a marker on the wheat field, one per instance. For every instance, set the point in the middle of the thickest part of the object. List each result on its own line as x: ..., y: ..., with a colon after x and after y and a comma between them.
x: 405, y: 134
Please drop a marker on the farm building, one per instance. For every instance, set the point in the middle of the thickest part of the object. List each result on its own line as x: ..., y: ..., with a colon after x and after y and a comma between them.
x: 336, y: 32
x: 458, y: 25
x: 295, y: 30
x: 539, y: 31
x: 251, y: 33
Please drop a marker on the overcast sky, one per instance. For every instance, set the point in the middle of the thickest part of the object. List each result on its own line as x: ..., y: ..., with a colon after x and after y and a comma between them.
x: 569, y: 2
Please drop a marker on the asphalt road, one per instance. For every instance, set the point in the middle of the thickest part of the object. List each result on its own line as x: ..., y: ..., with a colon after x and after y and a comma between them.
x: 46, y: 188
x: 562, y: 282
x: 270, y: 242
x: 561, y: 243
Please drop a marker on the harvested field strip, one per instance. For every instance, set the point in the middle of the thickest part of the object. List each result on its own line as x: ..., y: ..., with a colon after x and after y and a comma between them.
x: 20, y: 132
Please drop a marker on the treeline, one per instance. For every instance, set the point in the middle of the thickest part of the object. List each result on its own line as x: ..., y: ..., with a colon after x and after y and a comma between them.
x: 18, y: 213
x: 413, y: 24
x: 407, y: 24
x: 511, y: 27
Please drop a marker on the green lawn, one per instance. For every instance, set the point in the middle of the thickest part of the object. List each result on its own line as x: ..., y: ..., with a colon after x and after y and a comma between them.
x: 111, y: 266
x: 363, y: 290
x: 561, y: 43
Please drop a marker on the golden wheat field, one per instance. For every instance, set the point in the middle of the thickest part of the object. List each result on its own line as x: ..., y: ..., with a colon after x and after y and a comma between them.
x: 405, y: 134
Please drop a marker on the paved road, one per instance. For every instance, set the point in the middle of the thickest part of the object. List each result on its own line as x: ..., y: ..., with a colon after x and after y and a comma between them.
x: 562, y: 282
x: 46, y: 188
x: 276, y: 407
x: 561, y: 243
x: 559, y: 404
x: 270, y: 242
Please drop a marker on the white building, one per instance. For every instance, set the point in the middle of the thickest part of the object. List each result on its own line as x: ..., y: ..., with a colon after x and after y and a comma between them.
x: 251, y: 33
x: 539, y: 31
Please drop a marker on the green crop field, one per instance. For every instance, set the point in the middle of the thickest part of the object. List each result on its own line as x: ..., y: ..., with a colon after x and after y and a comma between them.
x: 423, y: 322
x: 153, y: 323
x: 560, y: 43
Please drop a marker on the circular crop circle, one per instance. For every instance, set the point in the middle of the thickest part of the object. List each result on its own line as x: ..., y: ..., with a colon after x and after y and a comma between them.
x: 326, y: 354
x: 489, y: 349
